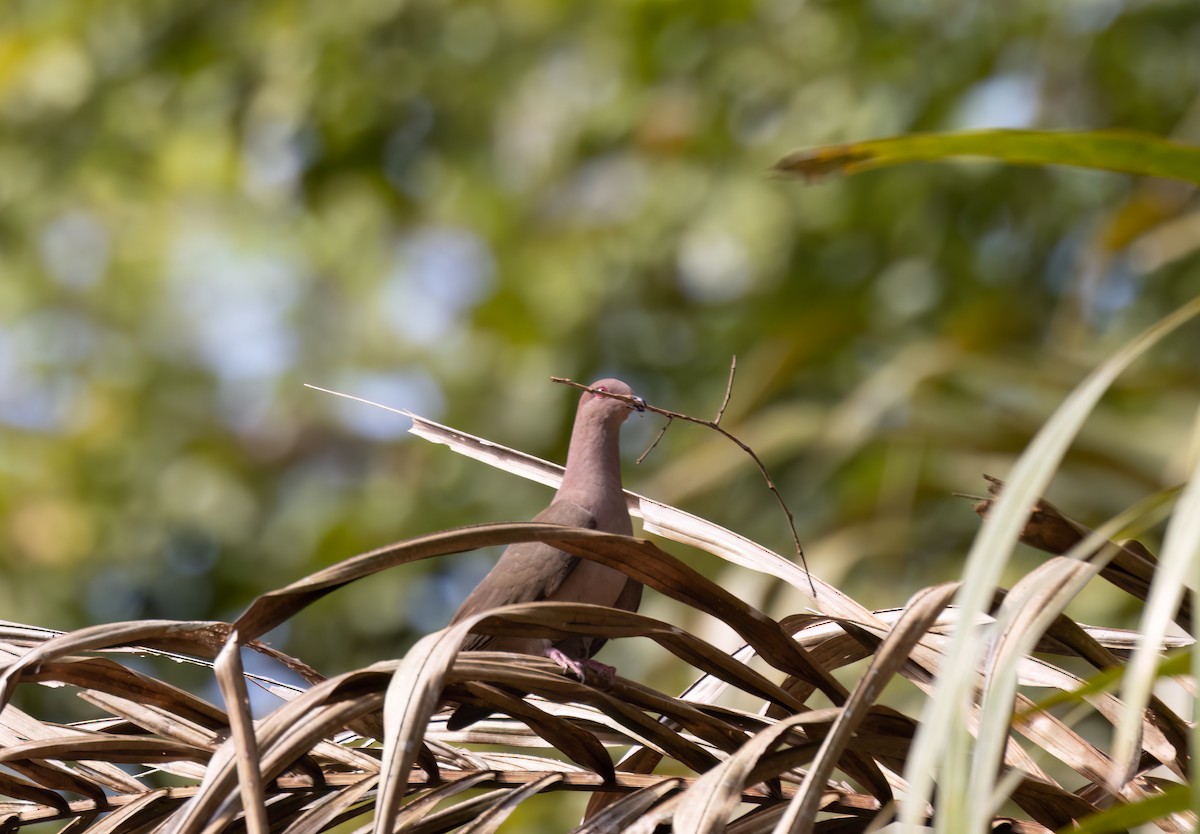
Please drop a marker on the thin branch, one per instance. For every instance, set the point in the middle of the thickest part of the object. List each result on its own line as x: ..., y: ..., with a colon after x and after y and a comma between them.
x: 650, y: 448
x: 635, y: 402
x: 728, y: 390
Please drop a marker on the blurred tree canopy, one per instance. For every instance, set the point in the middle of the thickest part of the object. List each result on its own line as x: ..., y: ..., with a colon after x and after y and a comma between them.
x: 440, y: 204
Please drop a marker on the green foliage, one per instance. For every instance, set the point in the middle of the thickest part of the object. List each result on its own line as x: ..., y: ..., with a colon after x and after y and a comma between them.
x: 440, y: 205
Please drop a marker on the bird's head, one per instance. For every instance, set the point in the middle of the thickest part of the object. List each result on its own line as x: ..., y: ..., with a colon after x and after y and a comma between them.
x: 611, y: 405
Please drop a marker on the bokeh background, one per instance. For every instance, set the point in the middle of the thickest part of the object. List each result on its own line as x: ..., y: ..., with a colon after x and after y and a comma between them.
x: 438, y: 205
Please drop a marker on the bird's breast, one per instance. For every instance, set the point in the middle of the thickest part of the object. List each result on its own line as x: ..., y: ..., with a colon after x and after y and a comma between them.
x: 591, y: 582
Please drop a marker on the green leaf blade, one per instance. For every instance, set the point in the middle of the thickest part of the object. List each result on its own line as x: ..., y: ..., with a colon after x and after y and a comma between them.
x: 1120, y: 151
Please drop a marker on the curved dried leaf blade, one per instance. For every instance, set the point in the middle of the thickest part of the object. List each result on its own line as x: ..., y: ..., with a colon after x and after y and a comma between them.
x: 412, y: 697
x: 708, y: 804
x: 237, y: 701
x: 104, y: 748
x: 1173, y: 800
x: 1107, y: 150
x: 572, y: 741
x: 106, y: 676
x: 415, y: 811
x: 919, y: 615
x: 202, y: 634
x: 136, y: 814
x: 271, y: 609
x: 325, y: 811
x: 490, y: 820
x: 20, y: 789
x: 623, y: 812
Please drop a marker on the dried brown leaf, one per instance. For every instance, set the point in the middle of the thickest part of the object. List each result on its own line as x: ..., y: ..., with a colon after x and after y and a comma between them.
x: 144, y: 811
x: 412, y: 697
x: 1128, y: 565
x: 619, y: 814
x: 195, y: 633
x: 490, y: 820
x: 709, y: 802
x: 328, y: 809
x: 574, y: 742
x: 920, y: 613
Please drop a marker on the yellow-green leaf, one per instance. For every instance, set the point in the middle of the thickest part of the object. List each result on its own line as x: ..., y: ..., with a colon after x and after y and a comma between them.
x: 1125, y: 152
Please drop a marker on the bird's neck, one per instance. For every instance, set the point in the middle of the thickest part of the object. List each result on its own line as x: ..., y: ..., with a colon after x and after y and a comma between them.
x: 593, y: 473
x: 593, y: 458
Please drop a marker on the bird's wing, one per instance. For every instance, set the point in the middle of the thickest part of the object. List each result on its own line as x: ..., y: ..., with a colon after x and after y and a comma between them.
x: 526, y: 572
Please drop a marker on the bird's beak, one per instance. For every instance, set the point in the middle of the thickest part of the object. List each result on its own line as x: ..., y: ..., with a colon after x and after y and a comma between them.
x: 638, y: 404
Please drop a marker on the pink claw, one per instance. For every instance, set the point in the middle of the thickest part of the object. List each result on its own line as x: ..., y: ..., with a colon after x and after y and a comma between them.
x: 569, y: 664
x: 606, y: 673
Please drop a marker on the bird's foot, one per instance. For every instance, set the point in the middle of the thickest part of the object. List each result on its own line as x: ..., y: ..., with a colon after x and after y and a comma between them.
x: 580, y: 668
x: 606, y: 673
x: 568, y: 663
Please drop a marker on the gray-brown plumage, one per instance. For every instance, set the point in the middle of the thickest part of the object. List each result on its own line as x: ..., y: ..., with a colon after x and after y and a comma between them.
x: 590, y: 496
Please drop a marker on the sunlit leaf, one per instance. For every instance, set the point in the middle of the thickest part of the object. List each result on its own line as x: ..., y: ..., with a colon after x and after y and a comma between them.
x: 1121, y: 151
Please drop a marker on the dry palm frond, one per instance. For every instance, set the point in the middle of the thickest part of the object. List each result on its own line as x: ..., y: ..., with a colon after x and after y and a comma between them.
x: 371, y: 746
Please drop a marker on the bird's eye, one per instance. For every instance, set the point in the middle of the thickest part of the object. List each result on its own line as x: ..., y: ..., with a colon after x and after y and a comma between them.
x: 601, y: 388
